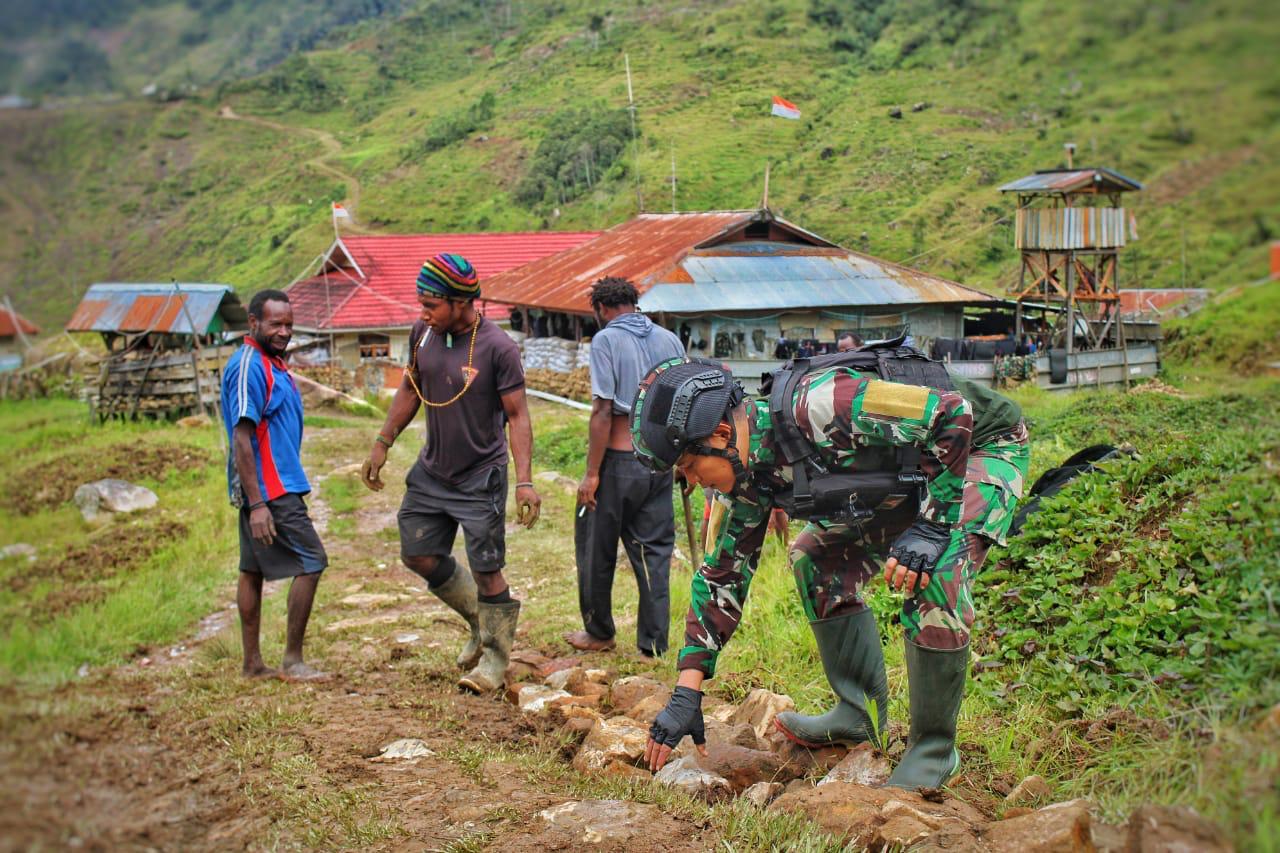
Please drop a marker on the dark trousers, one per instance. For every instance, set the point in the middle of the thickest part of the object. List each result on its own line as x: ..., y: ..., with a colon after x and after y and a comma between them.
x: 635, y: 504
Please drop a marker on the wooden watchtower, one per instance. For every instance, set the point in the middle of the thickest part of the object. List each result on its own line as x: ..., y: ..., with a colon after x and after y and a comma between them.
x: 1070, y: 228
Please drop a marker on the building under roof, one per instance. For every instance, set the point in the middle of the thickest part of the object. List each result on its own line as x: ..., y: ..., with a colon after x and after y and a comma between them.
x: 732, y: 283
x: 363, y: 296
x: 123, y: 309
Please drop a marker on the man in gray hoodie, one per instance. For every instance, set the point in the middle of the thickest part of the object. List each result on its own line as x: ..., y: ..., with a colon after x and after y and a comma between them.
x: 618, y: 496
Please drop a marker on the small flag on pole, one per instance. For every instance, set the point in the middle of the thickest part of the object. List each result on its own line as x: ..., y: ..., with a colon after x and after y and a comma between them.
x: 340, y: 212
x: 783, y: 108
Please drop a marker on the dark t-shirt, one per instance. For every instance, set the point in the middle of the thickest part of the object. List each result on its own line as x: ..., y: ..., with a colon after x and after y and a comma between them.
x: 993, y: 412
x: 467, y: 436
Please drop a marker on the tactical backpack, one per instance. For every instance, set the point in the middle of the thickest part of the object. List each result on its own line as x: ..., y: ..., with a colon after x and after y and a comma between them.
x: 886, y: 476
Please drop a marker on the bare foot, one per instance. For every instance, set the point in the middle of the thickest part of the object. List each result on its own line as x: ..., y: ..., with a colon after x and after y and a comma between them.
x: 303, y: 672
x: 584, y: 642
x: 260, y: 671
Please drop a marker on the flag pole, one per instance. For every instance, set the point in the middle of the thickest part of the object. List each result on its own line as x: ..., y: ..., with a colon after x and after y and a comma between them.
x: 764, y: 202
x: 673, y: 175
x: 635, y: 143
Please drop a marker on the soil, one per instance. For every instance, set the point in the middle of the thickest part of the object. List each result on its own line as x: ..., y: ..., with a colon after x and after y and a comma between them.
x: 174, y: 750
x: 51, y: 484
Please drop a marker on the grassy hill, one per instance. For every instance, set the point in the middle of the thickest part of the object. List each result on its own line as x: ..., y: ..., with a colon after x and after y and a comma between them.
x: 499, y: 116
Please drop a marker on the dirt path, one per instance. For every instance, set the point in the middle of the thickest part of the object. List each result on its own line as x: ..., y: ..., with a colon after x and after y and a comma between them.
x: 175, y: 751
x: 332, y: 149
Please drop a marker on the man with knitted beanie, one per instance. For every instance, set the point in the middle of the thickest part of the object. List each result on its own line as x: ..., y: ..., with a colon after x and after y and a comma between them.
x: 466, y: 373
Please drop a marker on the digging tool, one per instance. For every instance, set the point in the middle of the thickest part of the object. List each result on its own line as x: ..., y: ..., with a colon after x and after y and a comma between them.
x: 695, y: 553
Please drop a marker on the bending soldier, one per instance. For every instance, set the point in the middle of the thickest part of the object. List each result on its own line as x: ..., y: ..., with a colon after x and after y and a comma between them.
x: 969, y: 455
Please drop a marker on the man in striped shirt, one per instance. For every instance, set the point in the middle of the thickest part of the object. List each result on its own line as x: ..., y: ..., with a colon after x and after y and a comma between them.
x: 263, y: 413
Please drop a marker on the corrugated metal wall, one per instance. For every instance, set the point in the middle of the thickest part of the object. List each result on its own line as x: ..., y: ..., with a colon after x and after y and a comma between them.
x: 1070, y: 228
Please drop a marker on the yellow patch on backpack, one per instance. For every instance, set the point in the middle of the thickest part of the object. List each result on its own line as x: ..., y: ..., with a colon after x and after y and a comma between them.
x: 894, y: 400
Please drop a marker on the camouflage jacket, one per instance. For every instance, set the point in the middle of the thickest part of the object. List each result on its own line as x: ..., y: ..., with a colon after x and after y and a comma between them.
x: 840, y: 411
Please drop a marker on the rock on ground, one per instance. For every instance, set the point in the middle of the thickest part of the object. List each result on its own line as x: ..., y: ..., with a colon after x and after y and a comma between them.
x: 759, y: 710
x: 762, y: 793
x: 534, y: 698
x: 610, y: 825
x: 113, y: 496
x: 628, y: 692
x: 858, y: 812
x: 685, y: 774
x: 1059, y: 828
x: 742, y: 766
x: 864, y: 765
x: 1029, y: 791
x: 616, y: 740
x: 1173, y: 829
x: 409, y: 748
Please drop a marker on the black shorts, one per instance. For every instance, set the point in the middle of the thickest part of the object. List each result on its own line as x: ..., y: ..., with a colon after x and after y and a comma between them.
x: 297, y: 549
x: 432, y: 510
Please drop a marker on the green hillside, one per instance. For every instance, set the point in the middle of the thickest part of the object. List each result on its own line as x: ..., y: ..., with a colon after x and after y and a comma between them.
x: 501, y: 116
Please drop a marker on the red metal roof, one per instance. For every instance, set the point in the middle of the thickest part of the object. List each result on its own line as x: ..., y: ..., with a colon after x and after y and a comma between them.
x: 642, y: 249
x: 1159, y: 302
x: 11, y: 322
x: 1072, y: 181
x: 371, y: 278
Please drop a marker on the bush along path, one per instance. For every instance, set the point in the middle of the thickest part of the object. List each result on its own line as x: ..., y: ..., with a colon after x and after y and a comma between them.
x: 174, y: 750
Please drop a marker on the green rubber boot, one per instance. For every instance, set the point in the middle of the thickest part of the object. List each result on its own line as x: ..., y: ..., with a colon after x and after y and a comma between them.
x: 935, y: 681
x: 854, y: 663
x: 497, y: 633
x: 459, y: 592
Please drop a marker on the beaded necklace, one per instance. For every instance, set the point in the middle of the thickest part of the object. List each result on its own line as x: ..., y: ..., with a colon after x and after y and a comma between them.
x: 467, y: 373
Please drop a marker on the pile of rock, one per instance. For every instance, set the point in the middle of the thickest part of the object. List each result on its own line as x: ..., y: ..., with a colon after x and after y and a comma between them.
x: 576, y: 384
x: 607, y: 724
x: 555, y: 354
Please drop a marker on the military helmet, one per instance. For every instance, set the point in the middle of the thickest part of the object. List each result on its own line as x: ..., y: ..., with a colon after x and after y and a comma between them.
x: 679, y: 402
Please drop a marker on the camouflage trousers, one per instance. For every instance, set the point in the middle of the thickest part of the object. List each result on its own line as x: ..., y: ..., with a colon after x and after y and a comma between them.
x: 834, y: 562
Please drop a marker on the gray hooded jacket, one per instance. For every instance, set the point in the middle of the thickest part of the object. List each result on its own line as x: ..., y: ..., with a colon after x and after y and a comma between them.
x: 623, y: 352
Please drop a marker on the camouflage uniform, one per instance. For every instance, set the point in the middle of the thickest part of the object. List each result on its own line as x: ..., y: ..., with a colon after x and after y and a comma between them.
x: 974, y: 461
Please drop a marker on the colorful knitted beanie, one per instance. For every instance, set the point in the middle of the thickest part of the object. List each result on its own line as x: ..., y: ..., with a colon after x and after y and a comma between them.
x: 449, y: 276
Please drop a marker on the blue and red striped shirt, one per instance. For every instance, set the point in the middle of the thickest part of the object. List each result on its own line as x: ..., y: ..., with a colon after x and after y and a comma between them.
x: 257, y: 387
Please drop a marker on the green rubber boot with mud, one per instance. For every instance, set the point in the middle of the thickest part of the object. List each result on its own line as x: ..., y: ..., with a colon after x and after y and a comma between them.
x: 459, y: 592
x: 497, y: 633
x: 854, y: 663
x: 935, y: 680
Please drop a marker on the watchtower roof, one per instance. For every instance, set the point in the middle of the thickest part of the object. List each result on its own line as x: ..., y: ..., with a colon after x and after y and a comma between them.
x: 1068, y: 181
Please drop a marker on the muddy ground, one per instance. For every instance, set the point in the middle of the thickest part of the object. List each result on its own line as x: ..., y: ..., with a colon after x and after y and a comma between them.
x: 174, y: 750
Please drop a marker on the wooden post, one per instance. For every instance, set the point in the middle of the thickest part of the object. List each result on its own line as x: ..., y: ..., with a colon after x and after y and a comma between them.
x: 1071, y: 314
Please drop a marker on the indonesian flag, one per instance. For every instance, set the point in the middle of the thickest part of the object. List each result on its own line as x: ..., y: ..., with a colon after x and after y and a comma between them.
x: 340, y: 212
x: 783, y: 108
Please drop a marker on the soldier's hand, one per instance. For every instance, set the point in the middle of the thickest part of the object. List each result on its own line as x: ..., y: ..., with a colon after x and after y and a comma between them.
x: 682, y: 716
x: 529, y: 506
x: 371, y: 470
x: 899, y: 577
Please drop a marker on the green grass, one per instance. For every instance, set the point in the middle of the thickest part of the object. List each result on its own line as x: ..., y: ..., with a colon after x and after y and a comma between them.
x: 1181, y: 98
x: 151, y: 598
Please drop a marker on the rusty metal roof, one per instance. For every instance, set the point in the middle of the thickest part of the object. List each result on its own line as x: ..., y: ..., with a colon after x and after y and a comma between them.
x: 646, y: 250
x: 765, y: 275
x: 170, y: 308
x: 10, y: 323
x: 1055, y: 181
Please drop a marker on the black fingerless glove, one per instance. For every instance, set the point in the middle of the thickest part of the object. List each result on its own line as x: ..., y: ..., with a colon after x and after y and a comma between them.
x: 921, y: 545
x: 682, y: 716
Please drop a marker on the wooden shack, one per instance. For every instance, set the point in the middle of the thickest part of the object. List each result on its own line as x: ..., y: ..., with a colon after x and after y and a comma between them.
x: 166, y: 345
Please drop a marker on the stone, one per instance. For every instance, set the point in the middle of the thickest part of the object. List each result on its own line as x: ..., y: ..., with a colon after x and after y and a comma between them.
x: 760, y: 708
x: 194, y: 421
x: 627, y: 692
x: 803, y: 760
x: 714, y: 709
x: 864, y: 765
x: 577, y: 728
x: 1173, y: 829
x: 618, y: 739
x: 406, y: 749
x: 647, y: 709
x: 900, y: 832
x: 895, y: 112
x: 571, y: 701
x: 18, y: 550
x: 598, y: 676
x: 560, y: 678
x: 739, y: 735
x: 856, y: 812
x: 741, y: 766
x: 609, y: 824
x: 1029, y: 792
x: 762, y: 793
x: 534, y: 698
x: 371, y: 599
x: 113, y: 496
x: 1059, y: 828
x: 543, y: 665
x: 685, y: 775
x: 1108, y: 838
x: 920, y: 106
